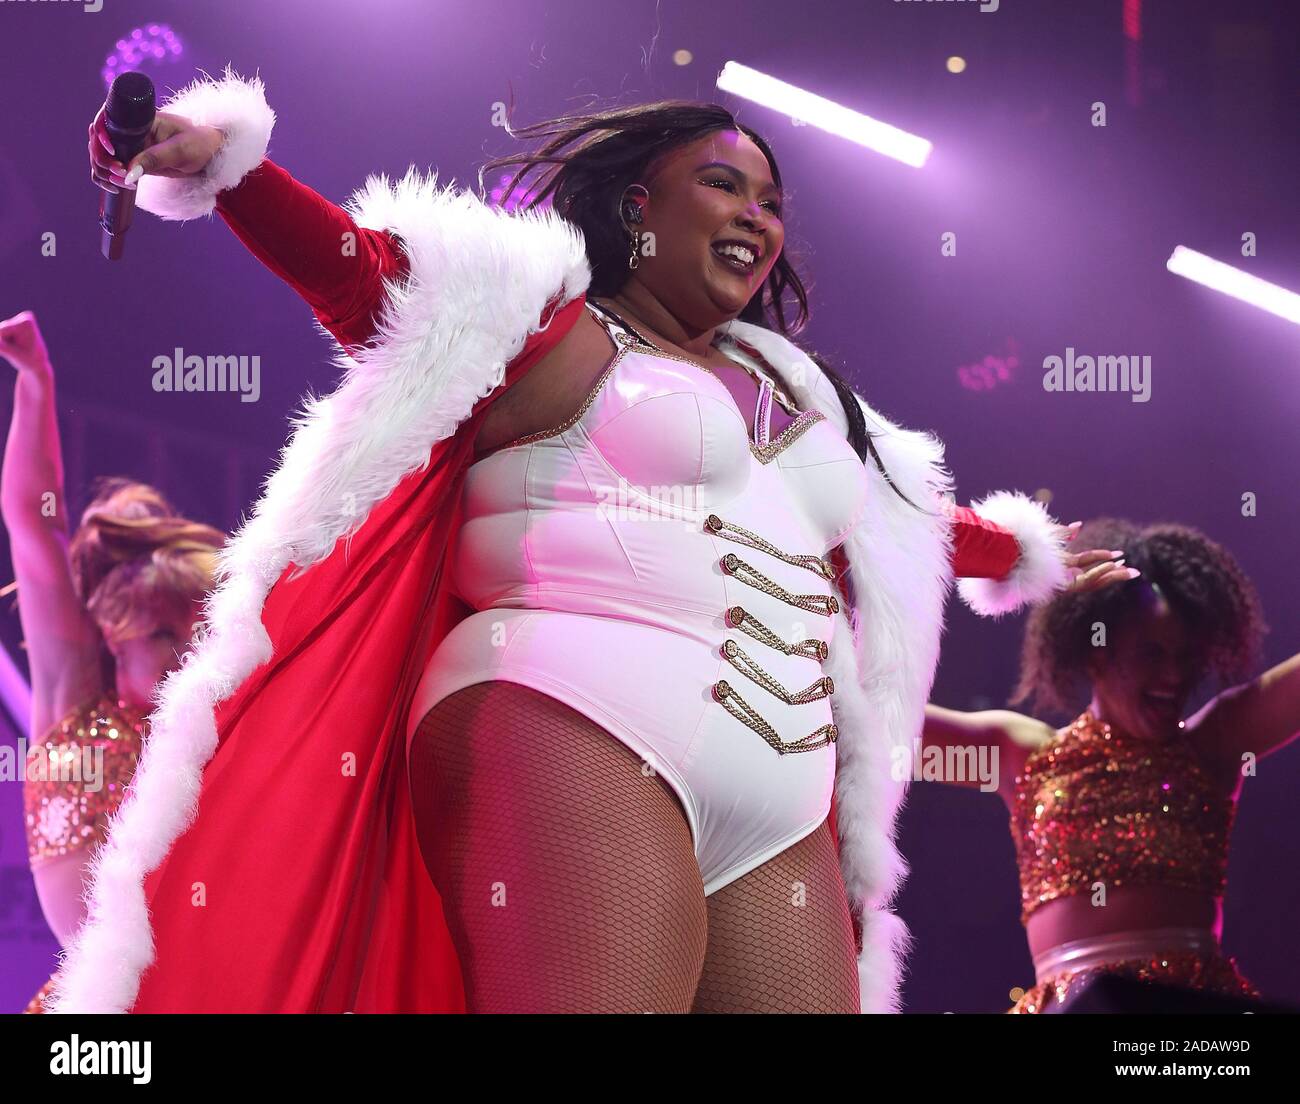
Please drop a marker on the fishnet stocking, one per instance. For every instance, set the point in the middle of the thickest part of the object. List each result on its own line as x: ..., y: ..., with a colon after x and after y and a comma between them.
x: 781, y: 938
x: 568, y: 877
x: 569, y: 880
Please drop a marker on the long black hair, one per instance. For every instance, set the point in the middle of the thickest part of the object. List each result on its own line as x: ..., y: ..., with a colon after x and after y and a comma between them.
x: 614, y: 149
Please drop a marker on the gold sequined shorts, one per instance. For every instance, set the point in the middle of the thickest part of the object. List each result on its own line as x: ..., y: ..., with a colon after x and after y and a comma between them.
x: 1187, y: 957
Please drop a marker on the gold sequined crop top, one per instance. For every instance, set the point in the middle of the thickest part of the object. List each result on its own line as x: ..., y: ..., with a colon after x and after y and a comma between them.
x: 76, y: 776
x: 1099, y: 806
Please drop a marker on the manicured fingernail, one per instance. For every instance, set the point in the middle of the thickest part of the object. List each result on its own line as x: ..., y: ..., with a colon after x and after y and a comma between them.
x: 1117, y: 552
x: 134, y: 175
x: 1132, y: 572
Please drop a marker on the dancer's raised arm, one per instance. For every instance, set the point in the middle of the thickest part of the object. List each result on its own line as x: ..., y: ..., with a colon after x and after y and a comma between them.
x: 63, y: 642
x: 1014, y: 735
x: 1253, y: 719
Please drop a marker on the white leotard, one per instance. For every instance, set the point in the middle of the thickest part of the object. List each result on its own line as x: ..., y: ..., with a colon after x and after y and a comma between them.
x: 616, y: 562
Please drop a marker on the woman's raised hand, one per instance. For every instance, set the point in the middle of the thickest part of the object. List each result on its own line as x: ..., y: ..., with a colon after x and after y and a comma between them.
x: 175, y: 147
x: 1096, y: 568
x: 21, y: 343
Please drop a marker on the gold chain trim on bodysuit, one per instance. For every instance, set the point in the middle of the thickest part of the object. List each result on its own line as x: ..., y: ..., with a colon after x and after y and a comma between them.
x: 823, y: 604
x: 725, y: 693
x: 817, y: 564
x: 765, y: 454
x: 630, y: 339
x: 739, y: 617
x: 744, y: 663
x: 576, y: 416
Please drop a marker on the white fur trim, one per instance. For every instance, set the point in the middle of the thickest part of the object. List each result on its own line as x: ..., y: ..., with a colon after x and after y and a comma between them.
x: 886, y: 943
x: 900, y: 569
x: 1039, y: 572
x: 479, y: 281
x: 236, y: 107
x: 901, y: 566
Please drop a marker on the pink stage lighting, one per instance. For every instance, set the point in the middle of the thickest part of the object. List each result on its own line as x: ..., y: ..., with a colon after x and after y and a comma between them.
x: 149, y: 48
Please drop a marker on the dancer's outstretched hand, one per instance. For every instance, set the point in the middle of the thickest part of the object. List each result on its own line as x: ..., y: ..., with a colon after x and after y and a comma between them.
x: 175, y: 147
x: 1096, y: 568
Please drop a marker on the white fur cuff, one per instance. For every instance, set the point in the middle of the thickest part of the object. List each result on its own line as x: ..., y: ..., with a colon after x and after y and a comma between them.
x: 1039, y: 572
x: 238, y: 108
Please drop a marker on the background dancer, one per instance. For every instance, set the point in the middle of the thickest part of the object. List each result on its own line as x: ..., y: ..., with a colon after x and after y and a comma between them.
x: 1121, y: 819
x: 105, y: 616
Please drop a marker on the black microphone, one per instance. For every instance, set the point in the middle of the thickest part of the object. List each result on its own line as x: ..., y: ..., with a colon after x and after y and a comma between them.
x: 128, y: 115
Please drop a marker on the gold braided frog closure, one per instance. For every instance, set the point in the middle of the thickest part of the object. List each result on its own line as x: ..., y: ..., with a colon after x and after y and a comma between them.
x: 817, y: 564
x: 734, y: 704
x: 744, y: 663
x: 823, y: 604
x: 737, y: 617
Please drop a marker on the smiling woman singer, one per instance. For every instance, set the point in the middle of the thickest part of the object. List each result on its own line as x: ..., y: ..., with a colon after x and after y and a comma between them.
x: 636, y: 718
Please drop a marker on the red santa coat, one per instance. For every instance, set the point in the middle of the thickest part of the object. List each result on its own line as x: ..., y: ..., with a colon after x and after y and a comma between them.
x: 295, y: 883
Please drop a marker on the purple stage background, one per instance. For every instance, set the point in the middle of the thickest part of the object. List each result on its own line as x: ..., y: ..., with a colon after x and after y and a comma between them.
x: 1063, y: 230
